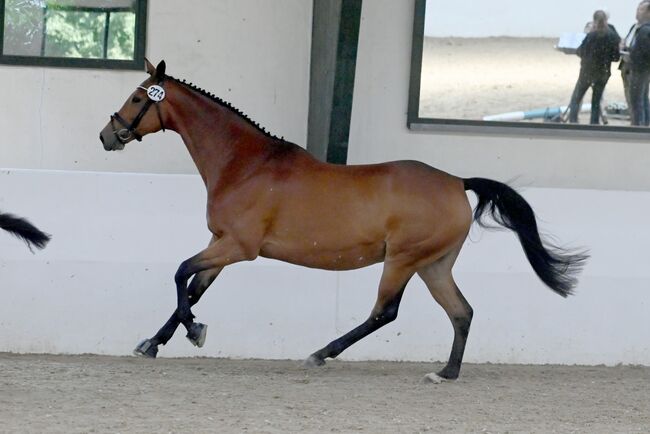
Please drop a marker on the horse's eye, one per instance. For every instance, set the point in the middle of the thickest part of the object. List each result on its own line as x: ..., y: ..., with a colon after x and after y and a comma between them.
x: 136, y: 99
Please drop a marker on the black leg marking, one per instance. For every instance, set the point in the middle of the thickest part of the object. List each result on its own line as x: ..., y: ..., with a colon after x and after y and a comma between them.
x: 183, y: 310
x: 197, y: 287
x: 461, y: 331
x: 375, y: 322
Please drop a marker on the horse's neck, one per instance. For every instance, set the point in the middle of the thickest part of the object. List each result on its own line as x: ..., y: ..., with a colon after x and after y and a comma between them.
x: 216, y: 137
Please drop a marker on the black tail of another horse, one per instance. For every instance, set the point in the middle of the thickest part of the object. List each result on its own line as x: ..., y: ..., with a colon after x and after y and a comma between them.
x: 557, y: 267
x: 24, y: 230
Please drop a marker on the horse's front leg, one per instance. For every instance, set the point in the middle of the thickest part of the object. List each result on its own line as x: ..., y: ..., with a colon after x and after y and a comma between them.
x: 205, y: 267
x: 199, y: 284
x: 222, y: 252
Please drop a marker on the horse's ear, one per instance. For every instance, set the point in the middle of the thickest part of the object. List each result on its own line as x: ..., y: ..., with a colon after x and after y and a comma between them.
x: 151, y: 70
x: 160, y: 69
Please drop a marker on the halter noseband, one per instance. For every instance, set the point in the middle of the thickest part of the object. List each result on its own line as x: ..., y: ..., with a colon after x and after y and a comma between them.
x: 129, y: 131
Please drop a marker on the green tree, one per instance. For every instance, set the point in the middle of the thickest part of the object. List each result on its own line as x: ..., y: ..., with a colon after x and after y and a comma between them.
x: 69, y: 32
x: 23, y: 25
x: 121, y: 36
x: 74, y: 34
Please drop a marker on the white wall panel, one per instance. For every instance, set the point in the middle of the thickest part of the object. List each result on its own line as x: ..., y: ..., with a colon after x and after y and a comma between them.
x: 106, y: 281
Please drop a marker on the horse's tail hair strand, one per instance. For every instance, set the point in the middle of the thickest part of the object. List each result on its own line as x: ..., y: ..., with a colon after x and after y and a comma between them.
x: 557, y: 267
x: 23, y: 229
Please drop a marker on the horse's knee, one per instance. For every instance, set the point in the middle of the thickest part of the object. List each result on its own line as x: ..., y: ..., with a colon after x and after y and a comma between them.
x: 182, y: 274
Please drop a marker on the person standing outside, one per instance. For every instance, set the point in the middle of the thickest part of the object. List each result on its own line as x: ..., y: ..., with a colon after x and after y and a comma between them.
x: 597, y: 52
x: 639, y: 67
x: 624, y: 66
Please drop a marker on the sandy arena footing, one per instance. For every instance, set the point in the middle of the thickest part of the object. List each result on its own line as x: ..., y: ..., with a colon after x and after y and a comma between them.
x: 65, y: 394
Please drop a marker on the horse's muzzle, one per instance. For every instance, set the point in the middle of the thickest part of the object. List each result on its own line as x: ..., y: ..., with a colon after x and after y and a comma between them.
x: 109, y: 140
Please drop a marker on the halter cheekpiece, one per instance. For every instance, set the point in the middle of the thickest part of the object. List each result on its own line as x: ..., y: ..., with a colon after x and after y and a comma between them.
x: 155, y: 94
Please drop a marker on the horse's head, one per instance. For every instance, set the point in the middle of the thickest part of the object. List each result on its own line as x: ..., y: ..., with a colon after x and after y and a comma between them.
x: 137, y: 117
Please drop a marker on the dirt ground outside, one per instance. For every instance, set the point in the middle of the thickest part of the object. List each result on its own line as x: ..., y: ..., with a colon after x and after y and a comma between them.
x: 100, y: 394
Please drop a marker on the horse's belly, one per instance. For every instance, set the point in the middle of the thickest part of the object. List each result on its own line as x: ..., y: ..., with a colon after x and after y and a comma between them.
x: 325, y: 258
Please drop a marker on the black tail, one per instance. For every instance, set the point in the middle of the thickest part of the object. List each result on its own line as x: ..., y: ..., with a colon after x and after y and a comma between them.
x: 24, y: 230
x: 556, y: 267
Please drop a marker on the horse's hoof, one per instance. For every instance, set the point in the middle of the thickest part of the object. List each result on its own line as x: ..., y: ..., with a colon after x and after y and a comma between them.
x: 313, y: 362
x: 436, y: 378
x: 146, y: 349
x: 433, y: 378
x: 196, y: 334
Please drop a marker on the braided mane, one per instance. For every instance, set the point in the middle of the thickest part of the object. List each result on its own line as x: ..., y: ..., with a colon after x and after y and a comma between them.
x: 227, y: 105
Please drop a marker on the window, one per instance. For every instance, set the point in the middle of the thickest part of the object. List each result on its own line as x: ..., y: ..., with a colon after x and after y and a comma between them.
x: 73, y: 33
x: 505, y: 69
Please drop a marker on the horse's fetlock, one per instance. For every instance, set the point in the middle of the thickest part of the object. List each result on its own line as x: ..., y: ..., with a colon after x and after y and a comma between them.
x: 334, y: 350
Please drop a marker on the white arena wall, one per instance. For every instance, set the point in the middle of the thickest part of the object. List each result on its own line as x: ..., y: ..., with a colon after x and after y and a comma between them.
x: 106, y: 281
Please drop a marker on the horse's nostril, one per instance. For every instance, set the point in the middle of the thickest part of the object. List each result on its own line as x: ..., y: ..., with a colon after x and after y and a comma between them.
x: 101, y: 138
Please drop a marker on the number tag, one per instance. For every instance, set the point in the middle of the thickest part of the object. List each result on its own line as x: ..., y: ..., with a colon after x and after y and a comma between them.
x: 156, y: 93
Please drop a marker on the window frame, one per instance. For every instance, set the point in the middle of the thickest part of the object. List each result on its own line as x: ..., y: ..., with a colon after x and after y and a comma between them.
x: 449, y: 125
x: 67, y: 62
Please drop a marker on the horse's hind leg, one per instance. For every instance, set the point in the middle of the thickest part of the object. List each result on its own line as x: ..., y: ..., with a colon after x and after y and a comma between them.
x: 391, y: 288
x: 438, y: 278
x: 199, y: 284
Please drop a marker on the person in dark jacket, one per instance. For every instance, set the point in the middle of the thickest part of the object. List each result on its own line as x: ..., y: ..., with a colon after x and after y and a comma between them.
x: 639, y: 66
x: 625, y: 44
x: 597, y: 52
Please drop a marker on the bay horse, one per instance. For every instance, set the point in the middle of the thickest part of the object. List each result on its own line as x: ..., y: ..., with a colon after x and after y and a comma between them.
x: 24, y: 230
x: 269, y: 197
